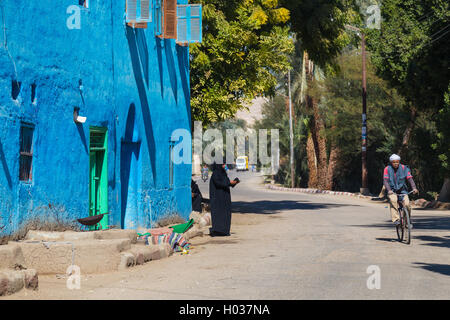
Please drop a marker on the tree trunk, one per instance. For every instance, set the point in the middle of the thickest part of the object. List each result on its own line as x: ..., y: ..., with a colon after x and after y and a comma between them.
x: 408, y: 131
x: 444, y: 195
x: 312, y: 162
x: 332, y: 163
x: 319, y: 144
x: 317, y: 128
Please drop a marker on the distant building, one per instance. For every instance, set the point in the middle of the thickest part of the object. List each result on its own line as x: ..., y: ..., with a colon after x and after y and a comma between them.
x: 88, y: 103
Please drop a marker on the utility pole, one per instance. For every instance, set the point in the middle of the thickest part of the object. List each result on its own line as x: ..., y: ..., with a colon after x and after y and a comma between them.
x: 364, y: 180
x: 364, y: 188
x: 291, y: 134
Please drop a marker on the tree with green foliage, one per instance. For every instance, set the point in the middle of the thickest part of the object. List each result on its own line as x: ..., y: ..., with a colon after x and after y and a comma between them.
x: 320, y: 30
x: 320, y: 27
x: 245, y: 43
x: 411, y: 53
x: 340, y: 106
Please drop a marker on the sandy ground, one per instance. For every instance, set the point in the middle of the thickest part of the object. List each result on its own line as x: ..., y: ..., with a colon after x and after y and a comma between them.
x: 287, y: 245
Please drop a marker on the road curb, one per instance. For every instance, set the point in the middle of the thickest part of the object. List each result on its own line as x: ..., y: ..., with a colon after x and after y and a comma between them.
x: 312, y: 191
x: 420, y: 203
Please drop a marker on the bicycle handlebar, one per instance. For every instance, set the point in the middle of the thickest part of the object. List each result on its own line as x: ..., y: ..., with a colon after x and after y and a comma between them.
x: 406, y: 193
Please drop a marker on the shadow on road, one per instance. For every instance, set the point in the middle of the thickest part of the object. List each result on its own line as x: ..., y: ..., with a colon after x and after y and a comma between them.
x: 387, y: 239
x: 271, y: 207
x: 431, y: 222
x: 419, y: 223
x: 435, y: 241
x: 434, y: 267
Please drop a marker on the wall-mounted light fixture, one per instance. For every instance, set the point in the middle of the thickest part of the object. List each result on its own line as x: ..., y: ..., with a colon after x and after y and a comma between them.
x: 76, y: 117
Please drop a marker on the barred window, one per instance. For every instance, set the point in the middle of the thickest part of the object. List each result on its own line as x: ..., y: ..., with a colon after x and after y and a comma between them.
x: 26, y: 151
x: 171, y: 159
x: 84, y: 3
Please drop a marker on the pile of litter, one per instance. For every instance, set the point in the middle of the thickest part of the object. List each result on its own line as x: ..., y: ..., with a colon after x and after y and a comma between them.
x: 172, y: 235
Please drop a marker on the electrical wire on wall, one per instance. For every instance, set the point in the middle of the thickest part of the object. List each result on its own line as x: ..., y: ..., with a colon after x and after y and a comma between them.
x: 5, y: 39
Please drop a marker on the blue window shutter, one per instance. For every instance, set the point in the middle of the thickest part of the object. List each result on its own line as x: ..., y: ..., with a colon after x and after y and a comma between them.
x: 189, y: 27
x: 131, y: 10
x: 196, y: 23
x: 145, y: 11
x: 138, y: 11
x: 182, y: 23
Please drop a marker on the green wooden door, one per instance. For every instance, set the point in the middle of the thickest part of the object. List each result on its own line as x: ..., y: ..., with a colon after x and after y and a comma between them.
x: 98, y: 174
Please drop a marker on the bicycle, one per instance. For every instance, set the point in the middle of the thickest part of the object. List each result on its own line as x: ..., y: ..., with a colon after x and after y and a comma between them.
x: 404, y: 228
x: 204, y: 176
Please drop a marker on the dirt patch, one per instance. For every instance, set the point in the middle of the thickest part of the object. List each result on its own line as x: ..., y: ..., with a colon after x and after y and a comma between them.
x: 246, y: 219
x: 169, y: 220
x: 222, y: 241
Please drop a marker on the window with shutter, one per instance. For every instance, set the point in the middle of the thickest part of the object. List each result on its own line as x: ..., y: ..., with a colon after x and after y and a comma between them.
x: 158, y: 17
x: 182, y: 23
x: 84, y: 3
x: 138, y: 13
x: 189, y: 27
x: 170, y: 19
x: 26, y: 152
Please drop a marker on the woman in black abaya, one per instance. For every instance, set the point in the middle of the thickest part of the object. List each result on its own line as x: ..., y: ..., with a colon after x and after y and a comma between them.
x: 220, y: 201
x: 196, y: 197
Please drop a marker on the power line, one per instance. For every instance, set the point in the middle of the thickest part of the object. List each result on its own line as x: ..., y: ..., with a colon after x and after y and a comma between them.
x: 439, y: 31
x: 422, y: 18
x: 439, y: 37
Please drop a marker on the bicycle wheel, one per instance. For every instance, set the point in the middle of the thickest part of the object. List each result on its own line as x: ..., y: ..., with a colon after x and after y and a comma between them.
x: 407, y: 225
x: 400, y: 230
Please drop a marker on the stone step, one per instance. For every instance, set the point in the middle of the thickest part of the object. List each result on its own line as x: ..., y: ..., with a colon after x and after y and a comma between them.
x: 82, y: 235
x: 11, y: 256
x: 141, y: 253
x: 92, y: 251
x: 92, y: 256
x: 12, y: 281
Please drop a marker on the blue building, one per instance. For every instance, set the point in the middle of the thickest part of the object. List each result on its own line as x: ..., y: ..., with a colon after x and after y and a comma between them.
x: 90, y: 94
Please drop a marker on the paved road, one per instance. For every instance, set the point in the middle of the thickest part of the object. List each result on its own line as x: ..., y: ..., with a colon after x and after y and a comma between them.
x: 287, y: 245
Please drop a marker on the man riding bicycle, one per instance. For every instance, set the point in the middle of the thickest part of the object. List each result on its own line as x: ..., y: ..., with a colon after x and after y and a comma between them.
x: 205, y: 172
x: 394, y: 179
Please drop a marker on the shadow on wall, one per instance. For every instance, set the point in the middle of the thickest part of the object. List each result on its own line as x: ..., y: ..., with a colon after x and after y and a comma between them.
x: 141, y: 42
x: 129, y: 152
x: 171, y: 68
x: 82, y: 136
x: 132, y: 43
x: 160, y: 66
x: 183, y: 66
x: 5, y: 166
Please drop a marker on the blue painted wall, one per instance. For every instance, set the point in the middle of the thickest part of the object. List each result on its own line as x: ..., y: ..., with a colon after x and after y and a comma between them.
x: 134, y: 84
